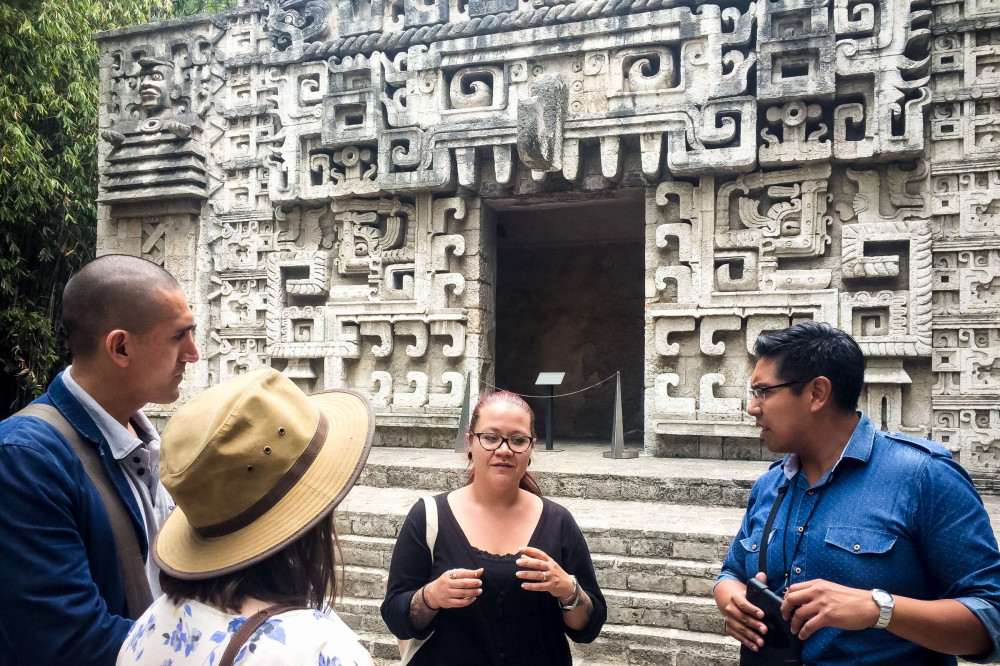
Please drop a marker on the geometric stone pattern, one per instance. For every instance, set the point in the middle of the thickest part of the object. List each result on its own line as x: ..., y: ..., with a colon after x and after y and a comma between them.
x: 833, y: 160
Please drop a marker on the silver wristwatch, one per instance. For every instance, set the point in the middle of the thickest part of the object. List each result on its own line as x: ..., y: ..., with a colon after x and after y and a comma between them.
x: 574, y: 600
x: 885, y: 604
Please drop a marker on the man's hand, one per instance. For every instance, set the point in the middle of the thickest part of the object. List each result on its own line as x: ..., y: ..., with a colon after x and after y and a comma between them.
x: 815, y: 604
x: 743, y: 619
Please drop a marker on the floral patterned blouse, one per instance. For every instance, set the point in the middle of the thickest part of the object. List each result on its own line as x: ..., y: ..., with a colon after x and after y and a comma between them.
x: 193, y: 634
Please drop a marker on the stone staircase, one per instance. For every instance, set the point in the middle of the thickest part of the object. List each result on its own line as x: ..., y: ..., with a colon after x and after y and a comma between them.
x: 657, y: 530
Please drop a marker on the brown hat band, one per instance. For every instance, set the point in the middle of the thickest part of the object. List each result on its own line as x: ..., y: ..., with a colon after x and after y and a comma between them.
x: 279, y: 490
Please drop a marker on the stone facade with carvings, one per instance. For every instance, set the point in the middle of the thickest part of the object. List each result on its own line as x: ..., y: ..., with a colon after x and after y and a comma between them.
x: 321, y: 177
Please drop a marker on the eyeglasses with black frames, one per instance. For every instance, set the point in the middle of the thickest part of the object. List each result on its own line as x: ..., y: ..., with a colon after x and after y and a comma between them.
x: 492, y: 441
x: 760, y: 391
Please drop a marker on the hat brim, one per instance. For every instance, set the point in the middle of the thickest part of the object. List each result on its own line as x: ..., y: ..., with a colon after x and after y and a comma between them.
x: 182, y: 553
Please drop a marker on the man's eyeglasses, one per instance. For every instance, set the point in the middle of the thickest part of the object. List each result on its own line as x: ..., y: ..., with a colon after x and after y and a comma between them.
x: 492, y: 441
x: 760, y: 392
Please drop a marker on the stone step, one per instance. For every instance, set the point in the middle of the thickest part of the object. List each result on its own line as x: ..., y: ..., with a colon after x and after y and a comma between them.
x: 361, y: 615
x: 656, y: 556
x: 656, y: 646
x: 579, y: 471
x: 364, y: 582
x: 366, y: 551
x: 656, y: 562
x: 618, y: 643
x: 655, y: 609
x: 650, y: 530
x: 650, y: 574
x: 383, y: 647
x: 387, y: 645
x: 640, y: 574
x: 629, y: 574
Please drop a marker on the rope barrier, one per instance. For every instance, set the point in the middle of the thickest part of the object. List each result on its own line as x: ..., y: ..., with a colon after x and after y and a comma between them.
x: 557, y: 395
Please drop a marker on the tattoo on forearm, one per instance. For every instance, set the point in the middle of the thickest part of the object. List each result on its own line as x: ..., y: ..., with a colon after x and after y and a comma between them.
x: 420, y: 614
x: 586, y: 607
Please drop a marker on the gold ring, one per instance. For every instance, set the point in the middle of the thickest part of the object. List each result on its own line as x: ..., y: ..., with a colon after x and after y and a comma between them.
x: 544, y: 577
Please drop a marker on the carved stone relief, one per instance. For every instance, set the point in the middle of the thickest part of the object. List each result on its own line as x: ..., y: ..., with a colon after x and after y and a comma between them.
x: 800, y: 159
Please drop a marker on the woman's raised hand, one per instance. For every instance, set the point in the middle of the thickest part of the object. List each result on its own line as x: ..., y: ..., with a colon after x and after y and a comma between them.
x: 544, y: 574
x: 455, y: 588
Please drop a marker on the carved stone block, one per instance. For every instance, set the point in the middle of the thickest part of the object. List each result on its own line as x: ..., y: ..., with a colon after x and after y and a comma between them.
x: 323, y: 176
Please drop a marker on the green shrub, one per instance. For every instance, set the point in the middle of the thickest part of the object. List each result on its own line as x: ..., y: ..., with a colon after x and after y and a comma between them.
x: 48, y: 169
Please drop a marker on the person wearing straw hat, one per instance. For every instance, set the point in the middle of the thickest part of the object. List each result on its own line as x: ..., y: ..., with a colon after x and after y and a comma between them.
x: 247, y: 557
x: 492, y: 573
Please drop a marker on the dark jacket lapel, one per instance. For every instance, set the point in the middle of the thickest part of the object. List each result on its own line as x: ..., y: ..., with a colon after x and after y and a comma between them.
x: 78, y: 417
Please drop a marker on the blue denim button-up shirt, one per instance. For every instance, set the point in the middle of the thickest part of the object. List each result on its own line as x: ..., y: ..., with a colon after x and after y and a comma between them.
x: 895, y: 513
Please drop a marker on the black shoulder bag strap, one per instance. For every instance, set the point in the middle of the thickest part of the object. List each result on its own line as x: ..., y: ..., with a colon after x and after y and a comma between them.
x: 764, y: 539
x: 253, y: 623
x: 138, y: 596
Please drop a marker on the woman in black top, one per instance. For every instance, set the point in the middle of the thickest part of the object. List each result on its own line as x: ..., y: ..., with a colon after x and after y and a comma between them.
x: 487, y: 598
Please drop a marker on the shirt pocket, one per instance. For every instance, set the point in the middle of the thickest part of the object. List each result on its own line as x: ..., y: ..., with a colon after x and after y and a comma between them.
x: 751, y: 547
x: 860, y: 540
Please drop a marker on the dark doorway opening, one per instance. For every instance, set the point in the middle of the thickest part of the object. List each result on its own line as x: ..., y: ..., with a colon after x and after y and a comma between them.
x: 570, y: 298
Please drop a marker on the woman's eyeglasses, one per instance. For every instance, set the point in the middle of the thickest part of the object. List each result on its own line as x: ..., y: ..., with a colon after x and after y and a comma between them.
x: 492, y: 441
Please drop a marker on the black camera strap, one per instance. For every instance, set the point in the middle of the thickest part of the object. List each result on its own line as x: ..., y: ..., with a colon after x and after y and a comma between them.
x: 782, y: 491
x: 780, y: 645
x: 762, y: 560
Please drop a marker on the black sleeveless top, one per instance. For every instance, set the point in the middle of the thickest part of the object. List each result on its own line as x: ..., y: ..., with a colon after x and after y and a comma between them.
x: 506, y: 625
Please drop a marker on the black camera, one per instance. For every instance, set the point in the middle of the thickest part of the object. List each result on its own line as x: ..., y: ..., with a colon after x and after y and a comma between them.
x: 781, y: 646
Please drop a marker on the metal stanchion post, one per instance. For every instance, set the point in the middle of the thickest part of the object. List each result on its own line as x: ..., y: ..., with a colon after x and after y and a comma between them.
x: 463, y: 421
x: 552, y: 380
x: 548, y: 418
x: 617, y: 434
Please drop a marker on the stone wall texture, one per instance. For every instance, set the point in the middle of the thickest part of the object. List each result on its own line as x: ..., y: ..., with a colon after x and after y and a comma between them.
x: 323, y: 177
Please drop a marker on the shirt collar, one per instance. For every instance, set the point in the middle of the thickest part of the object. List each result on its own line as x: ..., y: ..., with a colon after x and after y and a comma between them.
x: 120, y: 440
x: 862, y: 440
x: 859, y: 447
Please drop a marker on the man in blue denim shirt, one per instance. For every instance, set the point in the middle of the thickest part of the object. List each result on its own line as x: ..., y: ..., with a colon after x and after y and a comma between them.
x: 880, y: 545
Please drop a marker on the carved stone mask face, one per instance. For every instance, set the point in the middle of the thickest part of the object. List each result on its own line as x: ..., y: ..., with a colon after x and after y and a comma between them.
x: 154, y: 86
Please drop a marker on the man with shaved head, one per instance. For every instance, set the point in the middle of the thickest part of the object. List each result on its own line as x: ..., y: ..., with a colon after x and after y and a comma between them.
x: 79, y: 470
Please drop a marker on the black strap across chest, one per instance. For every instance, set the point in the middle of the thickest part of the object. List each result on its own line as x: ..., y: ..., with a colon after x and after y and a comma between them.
x: 764, y: 540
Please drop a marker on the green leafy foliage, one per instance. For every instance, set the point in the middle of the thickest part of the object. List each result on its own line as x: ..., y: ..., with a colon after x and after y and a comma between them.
x: 192, y: 7
x: 48, y: 168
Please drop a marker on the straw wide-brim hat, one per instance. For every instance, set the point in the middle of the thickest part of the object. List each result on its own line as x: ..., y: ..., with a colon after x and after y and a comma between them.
x: 252, y: 464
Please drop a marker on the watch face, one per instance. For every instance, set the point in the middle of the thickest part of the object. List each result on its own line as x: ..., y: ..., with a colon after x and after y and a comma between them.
x: 882, y: 598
